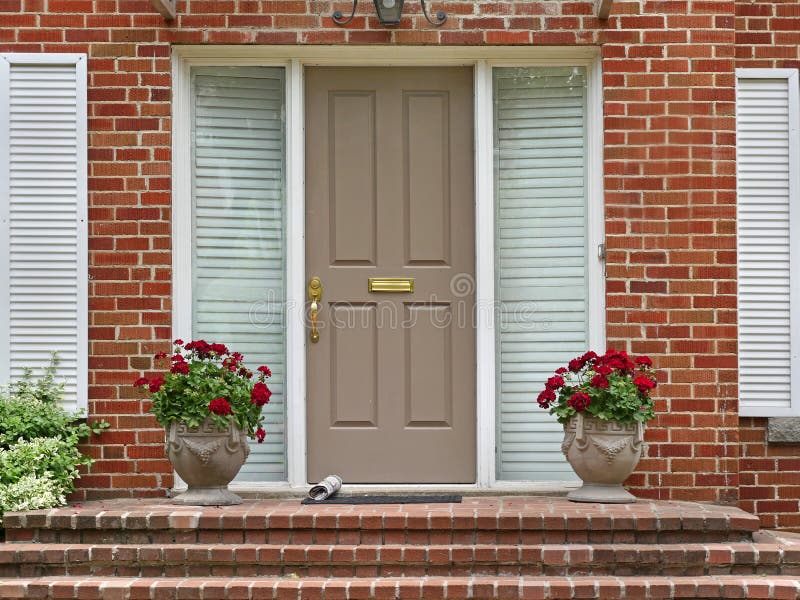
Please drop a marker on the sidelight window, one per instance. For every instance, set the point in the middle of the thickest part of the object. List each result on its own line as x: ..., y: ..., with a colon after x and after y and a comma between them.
x: 238, y: 232
x: 541, y: 255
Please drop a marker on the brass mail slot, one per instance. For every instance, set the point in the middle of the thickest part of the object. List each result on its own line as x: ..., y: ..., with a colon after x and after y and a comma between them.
x: 391, y: 284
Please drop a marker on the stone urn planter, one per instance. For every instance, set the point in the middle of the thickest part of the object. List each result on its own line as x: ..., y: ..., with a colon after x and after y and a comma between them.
x: 207, y: 458
x: 210, y: 403
x: 603, y: 454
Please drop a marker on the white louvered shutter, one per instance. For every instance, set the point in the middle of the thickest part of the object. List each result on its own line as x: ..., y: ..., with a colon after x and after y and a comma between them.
x: 43, y: 262
x: 768, y: 221
x: 541, y: 255
x: 238, y: 232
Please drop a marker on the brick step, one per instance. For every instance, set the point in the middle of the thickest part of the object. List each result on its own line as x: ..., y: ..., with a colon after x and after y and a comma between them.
x: 479, y: 520
x: 429, y: 588
x: 249, y: 560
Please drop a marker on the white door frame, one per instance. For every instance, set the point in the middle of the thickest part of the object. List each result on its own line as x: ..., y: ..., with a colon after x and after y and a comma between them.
x: 294, y: 59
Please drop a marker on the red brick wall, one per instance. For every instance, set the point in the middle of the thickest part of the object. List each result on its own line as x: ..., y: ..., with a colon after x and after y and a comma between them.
x: 768, y: 36
x: 670, y: 209
x: 769, y: 477
x: 669, y: 177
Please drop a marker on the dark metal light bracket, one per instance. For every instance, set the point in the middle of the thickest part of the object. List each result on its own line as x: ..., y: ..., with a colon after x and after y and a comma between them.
x: 340, y: 19
x: 338, y: 16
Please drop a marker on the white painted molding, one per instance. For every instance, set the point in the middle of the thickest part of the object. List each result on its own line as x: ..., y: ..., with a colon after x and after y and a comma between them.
x: 602, y: 8
x: 166, y: 8
x: 181, y: 200
x: 82, y: 266
x: 386, y: 55
x: 281, y: 489
x: 486, y: 359
x: 596, y: 207
x: 794, y: 223
x: 181, y: 207
x: 295, y: 276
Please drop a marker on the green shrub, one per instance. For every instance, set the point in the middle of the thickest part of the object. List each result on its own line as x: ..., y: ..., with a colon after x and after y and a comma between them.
x: 39, y: 456
x: 51, y: 457
x: 26, y: 414
x: 30, y: 493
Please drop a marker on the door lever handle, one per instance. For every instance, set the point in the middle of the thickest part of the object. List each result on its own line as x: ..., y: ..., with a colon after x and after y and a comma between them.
x: 315, y: 296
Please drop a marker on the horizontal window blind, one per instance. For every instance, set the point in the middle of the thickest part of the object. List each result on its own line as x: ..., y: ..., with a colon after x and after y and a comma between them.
x: 768, y: 226
x: 43, y: 210
x: 238, y: 232
x: 541, y: 256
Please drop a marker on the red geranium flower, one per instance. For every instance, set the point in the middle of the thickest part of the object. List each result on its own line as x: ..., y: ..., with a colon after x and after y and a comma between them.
x: 180, y: 368
x: 644, y: 361
x: 579, y: 401
x: 576, y: 364
x: 260, y: 394
x: 546, y: 397
x: 219, y: 406
x: 200, y: 347
x: 644, y: 384
x: 161, y: 355
x: 219, y: 348
x: 600, y: 382
x: 555, y: 382
x: 178, y: 342
x: 264, y: 370
x: 260, y: 435
x: 156, y: 384
x: 140, y: 382
x: 618, y: 360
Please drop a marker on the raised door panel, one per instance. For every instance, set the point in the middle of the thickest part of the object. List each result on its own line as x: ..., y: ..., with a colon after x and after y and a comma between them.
x: 354, y: 368
x: 351, y: 119
x: 427, y: 177
x: 429, y: 366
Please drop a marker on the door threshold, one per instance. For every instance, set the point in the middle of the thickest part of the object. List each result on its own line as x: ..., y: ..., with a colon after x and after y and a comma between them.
x: 506, y: 488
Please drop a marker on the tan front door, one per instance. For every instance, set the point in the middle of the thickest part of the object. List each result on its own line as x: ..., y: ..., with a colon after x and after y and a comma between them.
x: 389, y: 194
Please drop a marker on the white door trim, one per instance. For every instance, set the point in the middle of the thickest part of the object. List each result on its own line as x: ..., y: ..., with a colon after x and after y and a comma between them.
x: 296, y: 277
x: 294, y: 59
x: 484, y: 274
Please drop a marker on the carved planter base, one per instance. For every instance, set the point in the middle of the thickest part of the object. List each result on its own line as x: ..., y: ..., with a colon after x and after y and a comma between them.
x: 207, y: 459
x: 207, y: 496
x: 603, y: 454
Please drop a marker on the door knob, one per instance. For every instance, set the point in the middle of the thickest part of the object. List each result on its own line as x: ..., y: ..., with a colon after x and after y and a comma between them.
x: 315, y: 296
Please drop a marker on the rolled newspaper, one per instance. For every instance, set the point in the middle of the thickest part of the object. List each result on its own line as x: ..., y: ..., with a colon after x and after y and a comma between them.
x: 325, y: 488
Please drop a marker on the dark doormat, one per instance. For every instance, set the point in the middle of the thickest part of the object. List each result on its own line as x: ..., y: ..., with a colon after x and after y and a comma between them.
x: 385, y: 500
